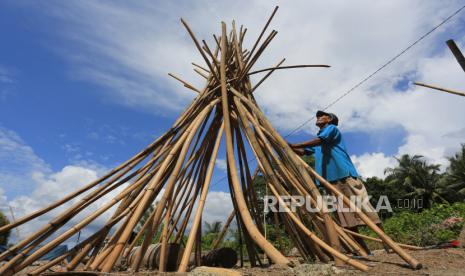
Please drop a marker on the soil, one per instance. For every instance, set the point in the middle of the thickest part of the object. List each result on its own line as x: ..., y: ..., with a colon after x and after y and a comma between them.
x: 442, y: 262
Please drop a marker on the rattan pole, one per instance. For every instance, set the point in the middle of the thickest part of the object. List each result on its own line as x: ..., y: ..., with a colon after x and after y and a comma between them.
x: 457, y: 53
x: 185, y: 145
x: 387, y: 240
x: 154, y: 228
x: 312, y: 236
x: 186, y: 84
x: 90, y: 241
x: 197, y: 44
x: 224, y: 230
x: 259, y: 152
x: 406, y: 246
x: 164, y: 235
x: 73, y: 230
x: 203, y: 75
x: 441, y: 89
x: 201, y: 67
x: 220, y: 237
x: 263, y: 31
x: 7, y: 269
x: 64, y: 216
x: 189, y: 204
x: 210, y: 53
x: 123, y: 227
x: 289, y: 67
x: 74, y: 194
x: 258, y: 238
x: 292, y: 180
x: 203, y: 196
x: 266, y: 76
x: 48, y: 265
x: 251, y: 61
x: 329, y: 224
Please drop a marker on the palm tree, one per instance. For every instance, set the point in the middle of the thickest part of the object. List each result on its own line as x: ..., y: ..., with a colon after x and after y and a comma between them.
x: 214, y: 227
x: 454, y: 180
x: 418, y: 179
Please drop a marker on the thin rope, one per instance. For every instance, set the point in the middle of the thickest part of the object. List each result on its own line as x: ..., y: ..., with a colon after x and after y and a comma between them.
x: 379, y: 69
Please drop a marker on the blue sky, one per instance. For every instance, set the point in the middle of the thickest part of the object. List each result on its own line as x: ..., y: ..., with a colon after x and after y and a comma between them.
x: 84, y: 85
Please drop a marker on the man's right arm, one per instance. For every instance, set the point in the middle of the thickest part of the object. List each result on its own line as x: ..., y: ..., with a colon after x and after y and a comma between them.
x: 299, y: 151
x: 312, y: 143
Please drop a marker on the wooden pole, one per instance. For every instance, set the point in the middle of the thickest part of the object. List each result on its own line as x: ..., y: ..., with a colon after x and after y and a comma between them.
x: 312, y: 236
x: 457, y: 53
x: 266, y: 246
x: 288, y: 67
x: 441, y: 89
x: 203, y: 196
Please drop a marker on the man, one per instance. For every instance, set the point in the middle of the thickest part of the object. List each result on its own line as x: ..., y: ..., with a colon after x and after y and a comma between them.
x: 333, y: 163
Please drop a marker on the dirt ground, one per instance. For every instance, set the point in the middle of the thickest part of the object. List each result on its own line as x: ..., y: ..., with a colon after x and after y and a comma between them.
x: 442, y: 262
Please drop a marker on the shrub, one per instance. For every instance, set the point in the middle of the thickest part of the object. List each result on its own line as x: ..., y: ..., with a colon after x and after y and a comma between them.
x: 439, y: 224
x: 4, y: 236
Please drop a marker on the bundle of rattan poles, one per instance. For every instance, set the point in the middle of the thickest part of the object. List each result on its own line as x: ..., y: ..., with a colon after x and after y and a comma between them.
x: 167, y: 182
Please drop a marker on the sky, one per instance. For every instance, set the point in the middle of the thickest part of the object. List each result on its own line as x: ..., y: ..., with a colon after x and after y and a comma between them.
x: 84, y: 84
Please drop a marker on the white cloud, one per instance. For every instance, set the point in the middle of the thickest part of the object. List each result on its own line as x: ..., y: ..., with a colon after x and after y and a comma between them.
x: 18, y: 163
x: 53, y: 187
x: 28, y: 184
x: 218, y: 206
x: 6, y: 76
x: 372, y: 164
x: 221, y: 164
x: 7, y: 79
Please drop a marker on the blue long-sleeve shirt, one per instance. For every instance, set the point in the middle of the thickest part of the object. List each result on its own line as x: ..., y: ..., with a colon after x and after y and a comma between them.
x: 331, y: 158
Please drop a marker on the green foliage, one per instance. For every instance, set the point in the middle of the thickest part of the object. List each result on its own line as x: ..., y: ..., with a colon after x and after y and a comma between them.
x: 278, y: 237
x: 453, y: 183
x: 426, y: 228
x: 310, y: 160
x: 4, y: 236
x: 210, y: 234
x: 208, y: 239
x: 377, y: 187
x: 144, y: 218
x: 214, y: 227
x: 413, y: 179
x: 416, y: 179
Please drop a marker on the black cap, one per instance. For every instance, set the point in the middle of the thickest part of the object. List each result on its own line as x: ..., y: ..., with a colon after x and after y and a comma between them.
x: 334, y: 119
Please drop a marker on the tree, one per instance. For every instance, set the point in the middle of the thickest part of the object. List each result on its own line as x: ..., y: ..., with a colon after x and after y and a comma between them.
x: 376, y: 188
x: 4, y: 236
x: 214, y: 227
x: 454, y: 180
x: 145, y: 216
x: 142, y: 221
x: 210, y: 234
x: 417, y: 179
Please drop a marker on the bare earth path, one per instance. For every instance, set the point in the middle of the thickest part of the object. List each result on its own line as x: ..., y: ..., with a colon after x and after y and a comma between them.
x: 442, y: 262
x: 435, y: 262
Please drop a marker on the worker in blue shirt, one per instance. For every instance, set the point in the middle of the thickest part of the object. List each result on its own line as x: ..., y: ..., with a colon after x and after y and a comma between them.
x: 333, y: 163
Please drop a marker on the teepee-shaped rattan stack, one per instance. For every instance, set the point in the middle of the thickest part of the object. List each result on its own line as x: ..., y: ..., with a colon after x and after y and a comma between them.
x: 173, y: 174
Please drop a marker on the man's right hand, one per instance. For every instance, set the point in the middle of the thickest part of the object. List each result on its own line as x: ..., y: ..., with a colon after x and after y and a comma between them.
x: 296, y: 148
